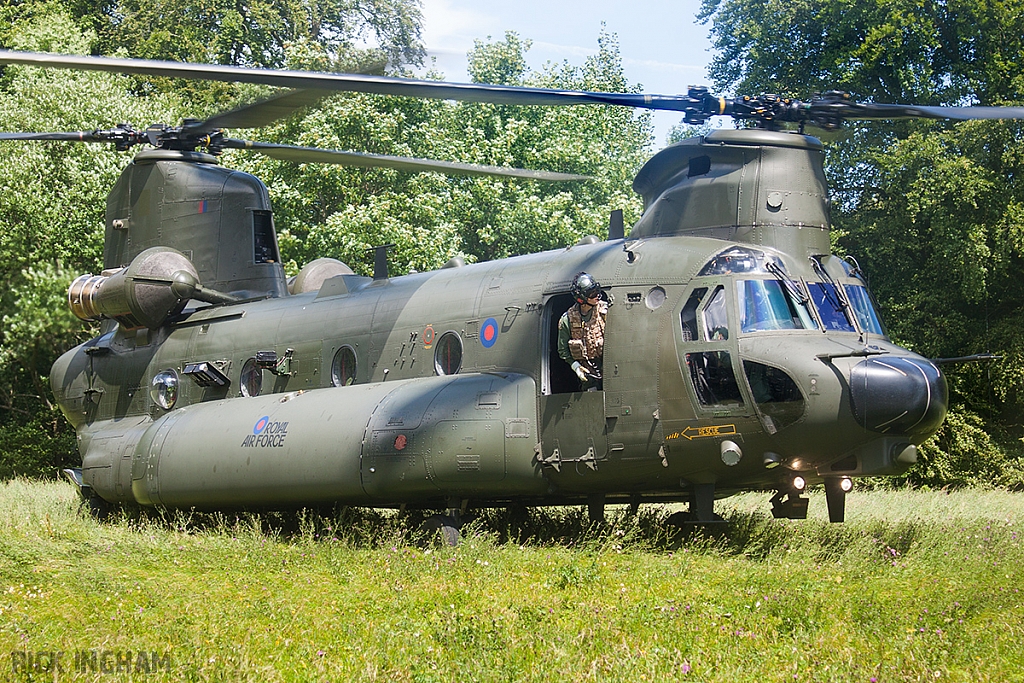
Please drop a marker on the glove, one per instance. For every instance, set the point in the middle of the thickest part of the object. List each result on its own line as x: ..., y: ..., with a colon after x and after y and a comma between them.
x: 580, y: 371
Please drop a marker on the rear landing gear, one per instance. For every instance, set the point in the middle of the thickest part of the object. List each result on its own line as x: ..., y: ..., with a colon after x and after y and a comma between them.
x: 98, y: 508
x: 447, y: 525
x: 702, y: 510
x: 595, y: 508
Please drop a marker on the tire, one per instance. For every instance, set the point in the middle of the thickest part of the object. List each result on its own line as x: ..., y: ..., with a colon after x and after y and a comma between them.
x: 445, y: 525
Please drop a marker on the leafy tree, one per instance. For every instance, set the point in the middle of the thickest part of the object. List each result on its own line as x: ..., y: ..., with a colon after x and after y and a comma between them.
x: 51, y: 212
x: 259, y: 33
x: 933, y: 210
x: 342, y: 212
x: 53, y: 199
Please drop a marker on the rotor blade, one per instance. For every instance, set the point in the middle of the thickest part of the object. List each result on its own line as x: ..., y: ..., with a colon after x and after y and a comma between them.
x: 360, y: 159
x: 900, y: 111
x: 260, y: 113
x: 698, y: 104
x: 382, y: 85
x: 81, y: 136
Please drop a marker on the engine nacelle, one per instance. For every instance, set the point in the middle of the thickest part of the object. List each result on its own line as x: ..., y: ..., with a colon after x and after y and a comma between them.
x: 141, y: 295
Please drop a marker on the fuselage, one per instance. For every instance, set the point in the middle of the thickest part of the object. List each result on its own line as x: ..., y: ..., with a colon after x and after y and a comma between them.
x: 447, y: 385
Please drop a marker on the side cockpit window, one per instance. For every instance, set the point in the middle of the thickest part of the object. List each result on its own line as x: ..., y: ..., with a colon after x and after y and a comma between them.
x: 775, y: 393
x: 716, y: 319
x: 689, y: 315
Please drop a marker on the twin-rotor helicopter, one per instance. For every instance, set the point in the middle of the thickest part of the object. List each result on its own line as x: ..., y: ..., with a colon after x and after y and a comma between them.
x: 739, y: 352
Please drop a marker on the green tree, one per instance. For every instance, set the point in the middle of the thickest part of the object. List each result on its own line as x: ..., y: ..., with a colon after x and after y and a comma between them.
x: 51, y: 212
x: 932, y: 210
x: 342, y: 212
x: 53, y: 199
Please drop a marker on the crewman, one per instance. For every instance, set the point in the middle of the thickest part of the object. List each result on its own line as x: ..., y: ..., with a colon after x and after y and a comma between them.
x: 581, y: 331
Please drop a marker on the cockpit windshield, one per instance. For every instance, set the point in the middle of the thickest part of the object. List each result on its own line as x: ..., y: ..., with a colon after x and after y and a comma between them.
x: 830, y: 308
x: 865, y: 310
x: 765, y: 305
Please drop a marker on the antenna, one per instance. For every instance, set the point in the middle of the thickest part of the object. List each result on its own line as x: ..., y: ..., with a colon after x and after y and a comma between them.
x: 616, y: 228
x: 380, y: 261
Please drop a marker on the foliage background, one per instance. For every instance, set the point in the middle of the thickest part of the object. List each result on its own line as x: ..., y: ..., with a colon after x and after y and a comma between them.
x: 933, y: 211
x: 52, y: 195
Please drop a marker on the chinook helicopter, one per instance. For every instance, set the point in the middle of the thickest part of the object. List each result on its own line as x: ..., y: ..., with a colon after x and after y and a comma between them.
x: 740, y: 353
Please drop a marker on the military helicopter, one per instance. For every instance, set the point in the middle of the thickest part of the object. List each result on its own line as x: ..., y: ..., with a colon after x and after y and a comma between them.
x: 740, y: 354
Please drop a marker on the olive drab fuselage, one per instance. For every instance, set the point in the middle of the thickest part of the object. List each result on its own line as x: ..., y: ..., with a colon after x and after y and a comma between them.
x: 733, y: 343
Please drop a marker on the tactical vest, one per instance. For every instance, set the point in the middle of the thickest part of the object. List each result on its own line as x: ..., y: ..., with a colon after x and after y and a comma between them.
x: 586, y: 338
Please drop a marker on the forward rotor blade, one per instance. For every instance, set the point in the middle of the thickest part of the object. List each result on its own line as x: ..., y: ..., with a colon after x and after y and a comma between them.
x: 382, y: 85
x: 360, y: 159
x: 261, y: 113
x: 903, y: 111
x: 698, y: 104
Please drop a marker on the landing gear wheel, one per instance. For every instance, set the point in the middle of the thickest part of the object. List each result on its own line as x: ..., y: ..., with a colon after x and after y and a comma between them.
x: 445, y: 525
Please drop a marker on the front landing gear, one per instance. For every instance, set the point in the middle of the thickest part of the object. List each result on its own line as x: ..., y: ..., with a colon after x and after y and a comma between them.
x: 835, y: 495
x: 789, y: 505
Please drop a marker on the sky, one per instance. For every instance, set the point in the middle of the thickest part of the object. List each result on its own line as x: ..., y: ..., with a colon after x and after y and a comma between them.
x: 662, y: 45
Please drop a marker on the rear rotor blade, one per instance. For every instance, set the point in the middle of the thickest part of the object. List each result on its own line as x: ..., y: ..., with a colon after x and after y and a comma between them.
x: 331, y: 156
x: 81, y: 136
x: 260, y: 113
x: 698, y: 105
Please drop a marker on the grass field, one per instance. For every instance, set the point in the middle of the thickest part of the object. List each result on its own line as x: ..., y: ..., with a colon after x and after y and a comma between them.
x: 916, y: 586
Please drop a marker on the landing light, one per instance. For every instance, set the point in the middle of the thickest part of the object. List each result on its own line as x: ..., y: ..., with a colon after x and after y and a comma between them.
x: 846, y: 484
x: 772, y: 460
x: 799, y: 484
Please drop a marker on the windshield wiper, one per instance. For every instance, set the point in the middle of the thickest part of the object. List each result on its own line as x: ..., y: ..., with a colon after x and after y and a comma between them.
x: 791, y: 285
x: 840, y: 302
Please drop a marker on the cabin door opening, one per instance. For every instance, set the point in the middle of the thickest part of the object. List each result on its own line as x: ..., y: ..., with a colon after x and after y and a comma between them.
x: 557, y: 375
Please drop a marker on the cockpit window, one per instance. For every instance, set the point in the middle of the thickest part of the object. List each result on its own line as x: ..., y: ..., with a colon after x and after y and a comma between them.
x: 775, y: 393
x: 830, y: 308
x: 865, y: 310
x: 713, y: 378
x: 716, y: 320
x: 765, y: 305
x: 688, y: 316
x: 738, y: 260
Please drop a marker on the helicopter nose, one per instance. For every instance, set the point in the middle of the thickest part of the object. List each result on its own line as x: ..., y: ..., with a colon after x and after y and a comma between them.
x: 898, y: 395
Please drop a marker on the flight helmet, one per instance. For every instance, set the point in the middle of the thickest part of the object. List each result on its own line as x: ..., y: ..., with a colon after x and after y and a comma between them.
x: 583, y: 287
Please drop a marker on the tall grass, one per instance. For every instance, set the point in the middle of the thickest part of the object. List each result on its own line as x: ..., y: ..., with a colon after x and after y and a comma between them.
x: 915, y: 586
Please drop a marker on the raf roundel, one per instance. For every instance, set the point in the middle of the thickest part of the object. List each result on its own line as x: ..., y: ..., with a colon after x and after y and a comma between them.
x: 489, y: 333
x: 261, y: 424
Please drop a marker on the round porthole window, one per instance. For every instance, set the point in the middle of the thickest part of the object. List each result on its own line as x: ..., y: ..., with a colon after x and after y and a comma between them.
x: 343, y: 368
x: 164, y: 389
x: 655, y: 298
x: 251, y: 379
x: 448, y: 354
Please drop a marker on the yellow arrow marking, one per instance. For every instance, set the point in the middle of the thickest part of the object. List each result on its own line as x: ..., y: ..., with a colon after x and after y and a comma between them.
x: 691, y: 433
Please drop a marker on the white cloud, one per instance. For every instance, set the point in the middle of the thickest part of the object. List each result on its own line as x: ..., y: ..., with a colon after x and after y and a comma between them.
x: 447, y: 28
